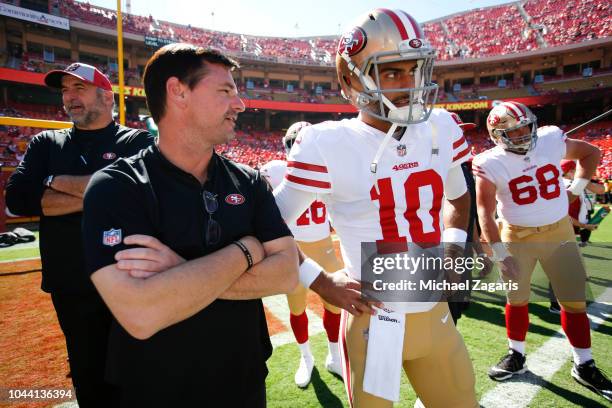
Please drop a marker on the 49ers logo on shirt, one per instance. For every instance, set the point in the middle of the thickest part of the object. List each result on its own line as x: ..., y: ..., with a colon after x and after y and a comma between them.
x: 234, y: 199
x: 109, y: 156
x: 405, y: 166
x: 352, y: 42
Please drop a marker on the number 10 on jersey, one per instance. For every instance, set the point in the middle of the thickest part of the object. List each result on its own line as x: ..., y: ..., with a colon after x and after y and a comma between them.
x: 382, y: 192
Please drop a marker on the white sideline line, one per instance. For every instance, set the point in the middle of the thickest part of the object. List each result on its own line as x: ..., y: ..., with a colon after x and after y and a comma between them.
x: 280, y: 309
x: 543, y: 364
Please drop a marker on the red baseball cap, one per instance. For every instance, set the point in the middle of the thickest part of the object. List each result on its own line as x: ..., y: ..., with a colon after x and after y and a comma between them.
x: 462, y: 125
x: 568, y: 165
x: 84, y: 72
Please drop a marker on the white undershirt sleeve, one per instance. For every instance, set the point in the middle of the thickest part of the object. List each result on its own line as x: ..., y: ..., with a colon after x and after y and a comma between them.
x: 292, y: 202
x: 454, y: 186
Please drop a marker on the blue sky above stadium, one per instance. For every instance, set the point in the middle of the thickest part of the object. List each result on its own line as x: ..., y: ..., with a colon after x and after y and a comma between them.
x: 283, y: 18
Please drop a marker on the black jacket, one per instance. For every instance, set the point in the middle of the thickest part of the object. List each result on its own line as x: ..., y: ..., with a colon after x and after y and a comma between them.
x: 66, y: 152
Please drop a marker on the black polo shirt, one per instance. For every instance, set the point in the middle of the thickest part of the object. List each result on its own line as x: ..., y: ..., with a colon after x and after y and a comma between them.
x: 220, y: 352
x: 74, y: 152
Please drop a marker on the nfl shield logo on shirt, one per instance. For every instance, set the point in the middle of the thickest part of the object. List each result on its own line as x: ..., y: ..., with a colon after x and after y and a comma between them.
x: 111, y: 237
x: 401, y: 150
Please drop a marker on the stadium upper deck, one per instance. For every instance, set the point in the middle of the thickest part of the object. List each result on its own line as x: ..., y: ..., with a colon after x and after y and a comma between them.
x: 533, y: 49
x: 515, y: 27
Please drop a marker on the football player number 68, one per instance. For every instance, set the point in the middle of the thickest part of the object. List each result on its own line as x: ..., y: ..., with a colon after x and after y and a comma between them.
x: 528, y: 194
x: 382, y: 192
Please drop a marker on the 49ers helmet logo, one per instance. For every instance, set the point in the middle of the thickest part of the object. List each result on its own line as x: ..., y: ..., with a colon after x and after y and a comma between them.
x: 415, y: 43
x: 494, y: 119
x: 352, y: 42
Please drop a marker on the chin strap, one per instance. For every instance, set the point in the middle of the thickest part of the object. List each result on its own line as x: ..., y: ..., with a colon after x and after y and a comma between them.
x: 381, y: 147
x: 369, y: 83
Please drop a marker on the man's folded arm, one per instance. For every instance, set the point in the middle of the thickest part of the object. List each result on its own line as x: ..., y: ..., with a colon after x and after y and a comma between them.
x: 145, y: 306
x: 54, y: 203
x: 277, y: 273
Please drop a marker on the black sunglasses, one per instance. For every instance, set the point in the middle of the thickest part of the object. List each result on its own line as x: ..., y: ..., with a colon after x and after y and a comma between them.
x: 213, y: 229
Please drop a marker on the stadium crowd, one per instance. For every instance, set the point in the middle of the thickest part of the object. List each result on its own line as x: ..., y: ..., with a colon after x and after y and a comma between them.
x: 504, y: 29
x: 257, y: 147
x: 14, y: 140
x: 498, y: 30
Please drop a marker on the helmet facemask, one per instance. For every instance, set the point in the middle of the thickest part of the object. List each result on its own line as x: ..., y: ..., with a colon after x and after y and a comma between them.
x: 288, y: 143
x: 374, y: 100
x: 518, y: 144
x: 292, y: 134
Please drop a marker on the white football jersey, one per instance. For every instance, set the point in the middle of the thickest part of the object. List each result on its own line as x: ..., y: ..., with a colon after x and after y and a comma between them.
x: 401, y: 202
x: 530, y: 190
x: 313, y: 224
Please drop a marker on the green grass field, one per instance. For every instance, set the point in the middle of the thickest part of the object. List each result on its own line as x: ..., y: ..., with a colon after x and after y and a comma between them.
x: 484, y: 333
x: 483, y: 330
x: 19, y: 251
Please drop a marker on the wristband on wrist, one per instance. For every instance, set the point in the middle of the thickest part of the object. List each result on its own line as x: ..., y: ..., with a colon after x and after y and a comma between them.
x: 246, y: 253
x: 578, y: 185
x: 454, y: 235
x: 309, y: 271
x: 500, y: 252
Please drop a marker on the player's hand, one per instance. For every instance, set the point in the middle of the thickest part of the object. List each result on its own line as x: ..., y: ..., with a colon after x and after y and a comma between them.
x: 344, y: 292
x: 487, y: 267
x: 590, y: 227
x: 152, y: 257
x: 453, y: 251
x: 509, y: 268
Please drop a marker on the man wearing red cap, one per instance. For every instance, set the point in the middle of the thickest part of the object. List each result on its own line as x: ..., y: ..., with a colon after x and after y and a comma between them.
x: 49, y: 183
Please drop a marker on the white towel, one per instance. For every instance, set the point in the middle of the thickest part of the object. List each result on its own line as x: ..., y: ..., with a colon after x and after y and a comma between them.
x: 383, y: 368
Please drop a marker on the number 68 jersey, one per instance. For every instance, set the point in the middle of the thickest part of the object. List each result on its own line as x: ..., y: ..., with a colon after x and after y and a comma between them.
x: 529, y: 187
x: 399, y: 203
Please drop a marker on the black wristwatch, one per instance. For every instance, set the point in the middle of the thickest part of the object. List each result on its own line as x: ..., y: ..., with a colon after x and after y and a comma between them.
x: 48, y: 180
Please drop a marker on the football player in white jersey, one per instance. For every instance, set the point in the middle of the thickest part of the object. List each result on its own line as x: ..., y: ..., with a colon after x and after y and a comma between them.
x: 384, y: 177
x: 522, y: 173
x: 312, y: 233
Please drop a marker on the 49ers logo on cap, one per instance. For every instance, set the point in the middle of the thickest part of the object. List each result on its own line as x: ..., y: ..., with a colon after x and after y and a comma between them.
x: 352, y: 42
x: 72, y: 67
x: 234, y: 199
x: 109, y: 156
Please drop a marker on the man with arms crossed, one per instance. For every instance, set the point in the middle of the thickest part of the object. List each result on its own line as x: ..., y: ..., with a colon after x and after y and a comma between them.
x: 194, y: 335
x: 50, y: 182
